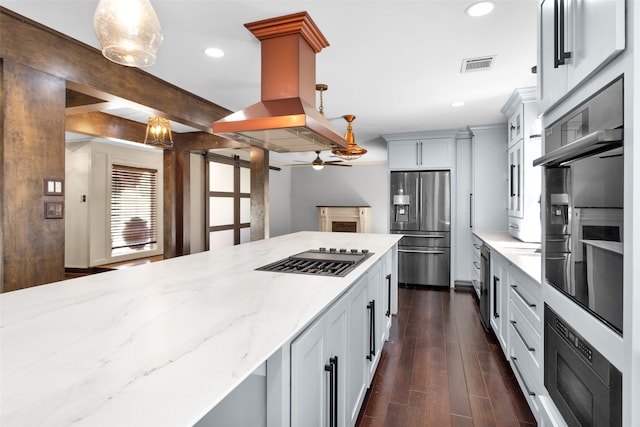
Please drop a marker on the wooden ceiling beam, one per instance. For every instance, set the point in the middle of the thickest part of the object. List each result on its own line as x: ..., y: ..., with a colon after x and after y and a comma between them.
x: 102, y: 125
x: 87, y: 71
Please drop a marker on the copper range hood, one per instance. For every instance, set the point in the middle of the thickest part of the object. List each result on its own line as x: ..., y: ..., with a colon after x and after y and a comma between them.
x: 286, y: 118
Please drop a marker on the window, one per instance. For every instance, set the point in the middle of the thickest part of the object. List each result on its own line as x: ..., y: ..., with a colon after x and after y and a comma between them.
x: 134, y: 209
x: 229, y: 201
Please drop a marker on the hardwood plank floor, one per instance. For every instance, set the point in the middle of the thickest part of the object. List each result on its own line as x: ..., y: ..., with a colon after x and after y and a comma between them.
x: 440, y: 368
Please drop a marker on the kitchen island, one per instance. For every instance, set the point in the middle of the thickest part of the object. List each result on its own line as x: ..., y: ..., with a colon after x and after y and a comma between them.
x: 160, y: 344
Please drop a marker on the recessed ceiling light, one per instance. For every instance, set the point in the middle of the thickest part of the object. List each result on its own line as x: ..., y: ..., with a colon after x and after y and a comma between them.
x: 480, y: 9
x: 457, y: 104
x: 214, y: 52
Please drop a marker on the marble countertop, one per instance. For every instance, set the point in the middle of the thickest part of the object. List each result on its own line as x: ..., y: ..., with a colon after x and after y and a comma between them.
x: 525, y: 256
x: 159, y: 344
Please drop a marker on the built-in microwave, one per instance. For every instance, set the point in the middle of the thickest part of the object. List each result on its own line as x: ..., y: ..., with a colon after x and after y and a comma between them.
x: 583, y: 193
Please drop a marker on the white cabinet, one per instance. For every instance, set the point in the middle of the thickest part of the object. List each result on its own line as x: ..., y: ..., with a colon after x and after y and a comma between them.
x: 317, y: 377
x: 525, y: 335
x: 389, y: 293
x: 499, y: 299
x: 476, y: 266
x: 524, y: 180
x: 488, y: 204
x: 376, y: 307
x: 577, y: 38
x: 419, y: 153
x: 357, y: 349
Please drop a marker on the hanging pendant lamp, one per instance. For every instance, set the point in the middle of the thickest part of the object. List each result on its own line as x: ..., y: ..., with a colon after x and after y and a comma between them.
x: 159, y: 132
x: 352, y: 152
x: 129, y: 31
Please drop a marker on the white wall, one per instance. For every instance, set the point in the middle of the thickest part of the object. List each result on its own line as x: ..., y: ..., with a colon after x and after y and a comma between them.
x: 366, y: 185
x: 280, y: 202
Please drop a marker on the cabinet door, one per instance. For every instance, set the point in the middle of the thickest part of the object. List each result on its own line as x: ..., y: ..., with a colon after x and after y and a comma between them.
x: 375, y: 314
x: 515, y: 126
x: 404, y: 154
x: 336, y: 346
x: 598, y: 35
x: 552, y: 79
x: 516, y: 175
x: 388, y: 293
x: 357, y: 349
x: 499, y: 299
x: 309, y: 380
x: 312, y: 354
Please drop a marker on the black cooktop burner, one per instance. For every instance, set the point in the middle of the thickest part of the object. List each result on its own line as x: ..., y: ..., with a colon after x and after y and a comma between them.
x: 321, y: 262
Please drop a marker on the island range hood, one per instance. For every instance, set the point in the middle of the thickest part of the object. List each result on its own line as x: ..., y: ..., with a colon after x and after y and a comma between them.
x: 286, y: 118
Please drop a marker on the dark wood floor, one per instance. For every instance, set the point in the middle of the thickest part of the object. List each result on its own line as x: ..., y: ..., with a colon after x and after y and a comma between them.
x: 440, y: 368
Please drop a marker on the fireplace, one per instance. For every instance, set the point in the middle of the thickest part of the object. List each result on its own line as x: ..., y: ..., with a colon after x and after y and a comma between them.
x: 349, y: 219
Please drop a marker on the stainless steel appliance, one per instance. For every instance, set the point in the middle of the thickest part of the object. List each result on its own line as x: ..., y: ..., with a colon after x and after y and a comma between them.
x: 320, y: 262
x: 421, y: 210
x: 485, y: 282
x: 585, y: 387
x: 583, y: 193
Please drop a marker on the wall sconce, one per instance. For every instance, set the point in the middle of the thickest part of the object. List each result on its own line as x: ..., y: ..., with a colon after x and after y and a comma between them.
x: 129, y: 31
x: 158, y: 132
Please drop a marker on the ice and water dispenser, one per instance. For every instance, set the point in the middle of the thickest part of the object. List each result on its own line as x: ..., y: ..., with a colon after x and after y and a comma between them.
x: 401, y: 204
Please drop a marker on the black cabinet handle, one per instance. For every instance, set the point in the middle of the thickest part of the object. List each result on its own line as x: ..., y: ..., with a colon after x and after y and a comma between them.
x: 513, y: 193
x: 332, y: 369
x: 522, y: 297
x: 559, y: 54
x: 526, y: 344
x: 496, y: 280
x: 526, y: 386
x: 388, y: 313
x: 519, y: 183
x: 372, y: 329
x: 470, y: 210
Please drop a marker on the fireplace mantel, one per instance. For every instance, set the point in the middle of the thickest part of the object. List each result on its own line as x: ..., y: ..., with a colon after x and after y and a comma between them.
x: 354, y: 219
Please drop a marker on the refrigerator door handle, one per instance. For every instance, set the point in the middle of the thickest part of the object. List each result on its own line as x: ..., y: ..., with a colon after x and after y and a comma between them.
x: 430, y: 236
x: 416, y: 251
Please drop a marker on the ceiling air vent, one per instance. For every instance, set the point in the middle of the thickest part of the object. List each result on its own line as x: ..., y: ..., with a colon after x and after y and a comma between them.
x: 477, y: 64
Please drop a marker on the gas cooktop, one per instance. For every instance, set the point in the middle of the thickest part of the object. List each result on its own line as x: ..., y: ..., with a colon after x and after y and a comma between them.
x: 320, y: 262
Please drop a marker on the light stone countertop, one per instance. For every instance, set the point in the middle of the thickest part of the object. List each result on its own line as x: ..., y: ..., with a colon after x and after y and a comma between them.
x: 159, y: 344
x: 521, y: 254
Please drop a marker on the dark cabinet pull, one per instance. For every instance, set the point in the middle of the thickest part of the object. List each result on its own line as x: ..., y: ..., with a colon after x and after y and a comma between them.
x: 496, y: 280
x: 519, y: 183
x: 515, y: 327
x: 522, y: 297
x: 526, y: 386
x: 332, y: 369
x: 388, y: 313
x: 513, y: 193
x: 372, y: 329
x: 470, y: 210
x: 558, y: 34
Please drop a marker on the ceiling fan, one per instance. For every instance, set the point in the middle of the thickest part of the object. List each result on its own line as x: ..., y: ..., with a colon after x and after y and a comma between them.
x: 318, y: 163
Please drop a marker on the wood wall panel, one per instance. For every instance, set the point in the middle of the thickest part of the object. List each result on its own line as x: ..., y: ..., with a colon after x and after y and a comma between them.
x: 33, y: 148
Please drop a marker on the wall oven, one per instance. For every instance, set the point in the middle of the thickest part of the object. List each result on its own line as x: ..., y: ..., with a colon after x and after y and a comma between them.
x: 585, y: 387
x: 583, y: 193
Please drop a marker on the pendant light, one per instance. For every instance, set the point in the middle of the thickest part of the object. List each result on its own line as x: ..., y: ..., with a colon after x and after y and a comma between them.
x: 352, y: 152
x: 129, y: 31
x: 158, y: 132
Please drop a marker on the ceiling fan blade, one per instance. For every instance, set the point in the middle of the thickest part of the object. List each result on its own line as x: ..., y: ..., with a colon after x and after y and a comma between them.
x: 337, y: 164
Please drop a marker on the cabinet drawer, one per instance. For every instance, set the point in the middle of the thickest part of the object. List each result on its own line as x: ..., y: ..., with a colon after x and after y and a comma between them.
x: 521, y: 333
x: 526, y: 374
x: 526, y: 294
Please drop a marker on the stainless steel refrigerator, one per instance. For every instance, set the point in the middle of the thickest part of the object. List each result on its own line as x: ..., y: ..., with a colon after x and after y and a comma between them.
x: 421, y: 210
